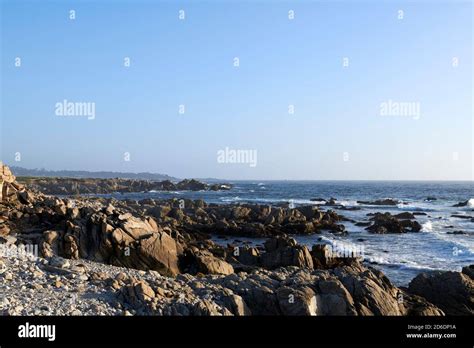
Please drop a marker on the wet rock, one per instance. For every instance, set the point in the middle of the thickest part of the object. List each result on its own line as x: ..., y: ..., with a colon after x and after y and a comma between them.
x: 459, y: 216
x: 405, y: 216
x: 386, y: 223
x: 387, y: 201
x: 461, y: 204
x: 456, y: 232
x: 318, y: 200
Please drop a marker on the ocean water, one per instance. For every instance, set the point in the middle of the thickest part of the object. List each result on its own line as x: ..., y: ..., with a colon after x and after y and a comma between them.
x: 400, y: 256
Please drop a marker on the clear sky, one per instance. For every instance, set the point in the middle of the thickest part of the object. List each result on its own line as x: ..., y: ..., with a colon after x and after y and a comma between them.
x: 337, y: 130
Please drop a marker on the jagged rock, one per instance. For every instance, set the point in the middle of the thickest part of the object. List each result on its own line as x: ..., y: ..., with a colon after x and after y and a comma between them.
x: 137, y: 293
x: 461, y: 204
x: 249, y: 256
x: 324, y: 257
x: 136, y: 228
x: 300, y: 301
x: 160, y: 212
x: 333, y: 298
x: 308, y: 211
x: 285, y: 251
x: 418, y: 306
x: 372, y: 292
x: 120, y: 237
x: 205, y: 262
x: 405, y: 216
x: 453, y: 292
x: 386, y: 223
x: 158, y: 253
x: 469, y: 271
x: 123, y: 233
x: 237, y: 305
x: 71, y: 186
x: 71, y: 249
x: 4, y: 230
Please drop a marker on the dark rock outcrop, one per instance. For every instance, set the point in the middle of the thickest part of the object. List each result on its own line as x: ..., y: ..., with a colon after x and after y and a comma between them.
x: 453, y: 292
x: 284, y: 251
x: 461, y: 204
x: 387, y: 223
x: 387, y: 201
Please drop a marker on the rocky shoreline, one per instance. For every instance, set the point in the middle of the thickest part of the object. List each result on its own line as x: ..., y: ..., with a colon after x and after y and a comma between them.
x: 76, y: 186
x: 156, y: 257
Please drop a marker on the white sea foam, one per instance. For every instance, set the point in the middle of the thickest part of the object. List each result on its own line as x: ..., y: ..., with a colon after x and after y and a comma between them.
x: 470, y: 203
x: 427, y: 227
x: 348, y: 203
x: 230, y: 199
x: 396, y: 263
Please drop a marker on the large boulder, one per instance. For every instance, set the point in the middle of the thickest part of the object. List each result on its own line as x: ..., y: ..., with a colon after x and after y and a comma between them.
x: 324, y: 256
x: 333, y: 298
x: 203, y: 261
x: 10, y: 190
x: 453, y: 292
x: 117, y: 238
x: 300, y: 301
x: 284, y: 251
x: 138, y: 293
x: 371, y: 290
x: 157, y: 252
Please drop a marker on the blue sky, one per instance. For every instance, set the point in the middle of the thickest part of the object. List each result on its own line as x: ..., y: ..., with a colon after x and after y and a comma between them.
x: 336, y: 131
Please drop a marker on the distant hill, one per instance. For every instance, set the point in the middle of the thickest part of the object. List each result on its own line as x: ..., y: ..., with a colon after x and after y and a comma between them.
x: 19, y: 171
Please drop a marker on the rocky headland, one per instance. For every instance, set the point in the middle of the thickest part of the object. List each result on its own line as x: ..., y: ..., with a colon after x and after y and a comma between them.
x: 157, y: 257
x: 72, y: 186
